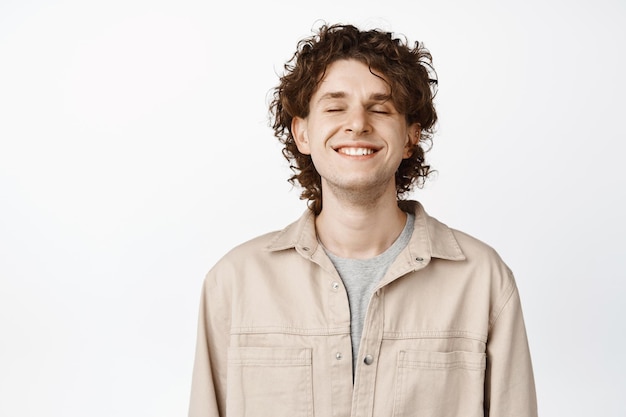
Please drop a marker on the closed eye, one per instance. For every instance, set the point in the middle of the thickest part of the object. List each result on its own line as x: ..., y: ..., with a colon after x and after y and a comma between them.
x: 379, y: 110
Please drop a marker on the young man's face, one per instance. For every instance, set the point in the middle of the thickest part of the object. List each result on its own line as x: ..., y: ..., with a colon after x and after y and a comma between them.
x: 354, y: 134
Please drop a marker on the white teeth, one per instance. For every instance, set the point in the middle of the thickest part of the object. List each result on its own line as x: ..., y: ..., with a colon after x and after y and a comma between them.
x: 356, y: 151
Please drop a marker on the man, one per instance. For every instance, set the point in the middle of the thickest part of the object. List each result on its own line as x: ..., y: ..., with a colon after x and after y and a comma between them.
x: 366, y: 306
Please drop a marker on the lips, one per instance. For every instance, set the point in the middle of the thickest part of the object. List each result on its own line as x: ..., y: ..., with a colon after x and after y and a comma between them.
x: 356, y: 151
x: 357, y: 148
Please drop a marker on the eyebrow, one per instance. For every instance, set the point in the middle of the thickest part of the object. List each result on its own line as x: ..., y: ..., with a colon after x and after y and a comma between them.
x: 382, y: 97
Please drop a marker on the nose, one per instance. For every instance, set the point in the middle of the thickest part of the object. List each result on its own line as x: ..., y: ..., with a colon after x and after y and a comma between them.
x: 357, y: 122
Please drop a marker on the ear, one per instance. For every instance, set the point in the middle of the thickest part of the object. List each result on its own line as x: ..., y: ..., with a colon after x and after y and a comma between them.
x: 414, y: 132
x: 300, y: 135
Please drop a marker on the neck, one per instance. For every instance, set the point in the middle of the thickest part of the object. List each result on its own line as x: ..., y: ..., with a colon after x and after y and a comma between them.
x: 359, y: 231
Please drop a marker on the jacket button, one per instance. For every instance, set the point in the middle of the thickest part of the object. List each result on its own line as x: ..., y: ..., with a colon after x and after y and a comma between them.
x: 368, y: 360
x: 338, y: 356
x: 335, y: 285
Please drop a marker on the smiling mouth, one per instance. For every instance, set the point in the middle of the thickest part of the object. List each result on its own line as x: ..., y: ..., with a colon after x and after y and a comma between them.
x: 356, y: 151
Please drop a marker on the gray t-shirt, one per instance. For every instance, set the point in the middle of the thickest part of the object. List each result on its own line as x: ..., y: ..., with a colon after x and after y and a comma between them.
x: 360, y: 277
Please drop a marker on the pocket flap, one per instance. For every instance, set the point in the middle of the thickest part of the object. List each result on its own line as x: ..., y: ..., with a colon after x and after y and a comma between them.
x: 269, y: 356
x: 442, y: 360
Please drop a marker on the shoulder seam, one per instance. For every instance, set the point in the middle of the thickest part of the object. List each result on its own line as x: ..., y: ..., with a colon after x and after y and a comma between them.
x: 506, y: 297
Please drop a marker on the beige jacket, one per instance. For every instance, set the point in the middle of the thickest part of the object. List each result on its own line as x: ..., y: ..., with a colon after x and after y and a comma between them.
x: 444, y: 334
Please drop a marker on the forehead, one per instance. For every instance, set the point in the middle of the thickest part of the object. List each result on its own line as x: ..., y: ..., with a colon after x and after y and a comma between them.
x: 349, y: 76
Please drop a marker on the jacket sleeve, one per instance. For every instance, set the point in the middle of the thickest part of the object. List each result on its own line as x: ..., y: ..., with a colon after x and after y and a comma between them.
x: 208, y: 390
x: 509, y: 380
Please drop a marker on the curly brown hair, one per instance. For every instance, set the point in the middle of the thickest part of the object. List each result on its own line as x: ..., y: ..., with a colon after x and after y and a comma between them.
x: 408, y: 70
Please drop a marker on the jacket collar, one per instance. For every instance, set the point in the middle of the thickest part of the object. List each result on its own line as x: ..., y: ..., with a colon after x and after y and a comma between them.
x: 430, y: 239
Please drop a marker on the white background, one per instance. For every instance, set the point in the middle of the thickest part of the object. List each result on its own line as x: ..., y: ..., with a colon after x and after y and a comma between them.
x: 135, y: 151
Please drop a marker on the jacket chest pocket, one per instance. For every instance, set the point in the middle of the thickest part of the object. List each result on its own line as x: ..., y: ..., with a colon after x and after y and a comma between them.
x: 439, y: 384
x: 268, y: 381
